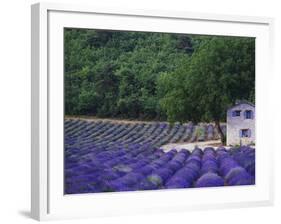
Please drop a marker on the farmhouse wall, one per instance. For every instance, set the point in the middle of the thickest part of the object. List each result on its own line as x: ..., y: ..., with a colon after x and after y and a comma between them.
x: 235, y: 124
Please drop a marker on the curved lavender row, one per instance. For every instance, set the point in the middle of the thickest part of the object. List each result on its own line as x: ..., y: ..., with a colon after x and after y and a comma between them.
x: 245, y: 156
x: 156, y: 134
x: 210, y: 170
x: 210, y: 132
x: 184, y: 177
x: 233, y: 173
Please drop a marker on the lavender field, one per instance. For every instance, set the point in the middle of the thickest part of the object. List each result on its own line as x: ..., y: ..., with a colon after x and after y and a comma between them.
x: 106, y: 156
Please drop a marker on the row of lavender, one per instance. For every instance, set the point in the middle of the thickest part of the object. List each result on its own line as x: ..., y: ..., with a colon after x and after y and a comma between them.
x: 85, y: 133
x: 111, y: 164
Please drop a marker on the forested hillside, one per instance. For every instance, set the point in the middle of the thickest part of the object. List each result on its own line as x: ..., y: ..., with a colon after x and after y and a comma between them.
x: 156, y: 76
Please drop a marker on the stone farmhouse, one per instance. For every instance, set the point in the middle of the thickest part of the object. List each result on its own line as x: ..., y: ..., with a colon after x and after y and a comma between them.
x: 240, y: 121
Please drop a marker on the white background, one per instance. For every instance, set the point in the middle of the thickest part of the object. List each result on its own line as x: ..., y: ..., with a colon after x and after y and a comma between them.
x: 15, y: 111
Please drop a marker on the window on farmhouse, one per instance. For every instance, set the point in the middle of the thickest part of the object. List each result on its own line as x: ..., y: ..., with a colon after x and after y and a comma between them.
x: 245, y: 133
x: 248, y: 114
x: 236, y: 113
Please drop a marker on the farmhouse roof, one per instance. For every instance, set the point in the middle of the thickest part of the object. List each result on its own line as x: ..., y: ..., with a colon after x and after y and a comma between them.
x: 239, y: 102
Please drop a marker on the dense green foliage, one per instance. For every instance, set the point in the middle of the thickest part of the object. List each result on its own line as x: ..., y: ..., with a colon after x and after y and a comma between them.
x: 114, y: 74
x: 155, y: 75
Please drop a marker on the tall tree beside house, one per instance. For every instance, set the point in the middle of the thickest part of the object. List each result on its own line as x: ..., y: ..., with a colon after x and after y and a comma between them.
x: 219, y: 72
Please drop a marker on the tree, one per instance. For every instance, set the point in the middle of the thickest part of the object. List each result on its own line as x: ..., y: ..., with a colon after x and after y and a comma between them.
x: 220, y: 71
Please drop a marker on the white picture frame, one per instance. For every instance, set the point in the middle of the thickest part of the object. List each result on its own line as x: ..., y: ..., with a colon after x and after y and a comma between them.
x: 48, y: 201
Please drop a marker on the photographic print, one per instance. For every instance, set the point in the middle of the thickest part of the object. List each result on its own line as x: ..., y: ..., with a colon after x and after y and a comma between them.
x: 150, y: 111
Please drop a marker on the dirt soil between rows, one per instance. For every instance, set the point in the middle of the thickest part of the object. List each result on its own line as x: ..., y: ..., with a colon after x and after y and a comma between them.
x: 191, y: 145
